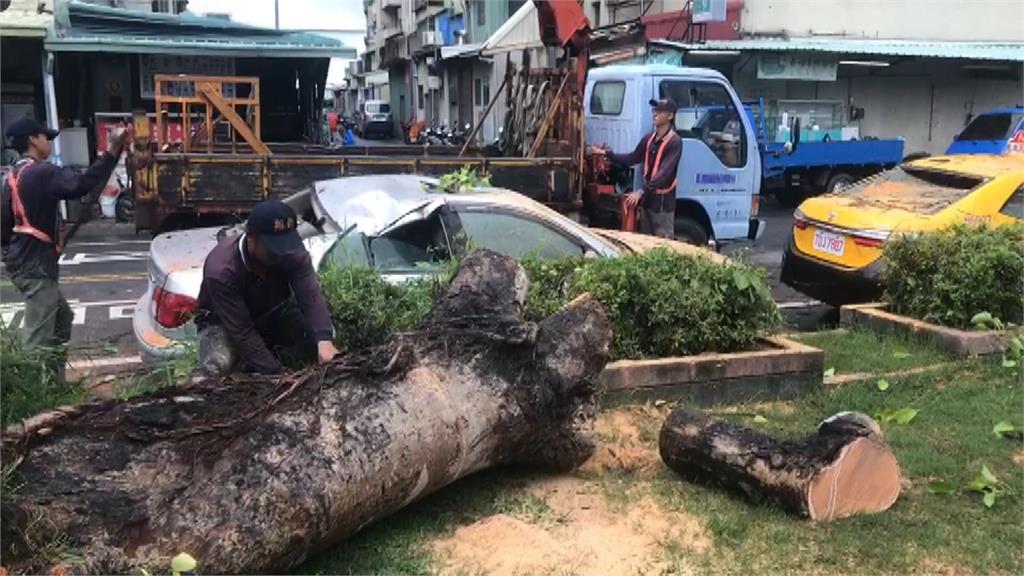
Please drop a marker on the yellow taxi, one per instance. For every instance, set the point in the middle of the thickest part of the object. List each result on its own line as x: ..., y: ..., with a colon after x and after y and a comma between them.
x: 834, y: 251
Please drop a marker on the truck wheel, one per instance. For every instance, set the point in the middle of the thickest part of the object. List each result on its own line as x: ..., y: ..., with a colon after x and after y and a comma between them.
x: 124, y: 207
x: 690, y: 231
x: 837, y: 182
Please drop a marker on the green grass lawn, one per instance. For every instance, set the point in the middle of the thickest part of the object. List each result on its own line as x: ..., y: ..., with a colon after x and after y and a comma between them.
x: 852, y: 351
x: 950, y: 439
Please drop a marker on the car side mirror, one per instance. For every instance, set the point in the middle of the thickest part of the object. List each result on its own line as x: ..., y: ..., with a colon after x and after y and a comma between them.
x: 794, y: 137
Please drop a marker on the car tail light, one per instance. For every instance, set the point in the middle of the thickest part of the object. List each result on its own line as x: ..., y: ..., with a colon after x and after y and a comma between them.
x: 173, y: 310
x: 755, y: 204
x: 869, y: 242
x: 799, y: 220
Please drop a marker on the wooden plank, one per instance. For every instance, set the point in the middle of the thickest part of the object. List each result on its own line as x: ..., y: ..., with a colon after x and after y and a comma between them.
x: 555, y: 105
x: 212, y: 93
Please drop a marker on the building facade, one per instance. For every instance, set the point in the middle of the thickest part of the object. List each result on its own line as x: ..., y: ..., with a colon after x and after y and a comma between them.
x: 914, y: 69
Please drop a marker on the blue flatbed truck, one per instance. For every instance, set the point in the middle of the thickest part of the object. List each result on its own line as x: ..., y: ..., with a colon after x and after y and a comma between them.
x: 814, y: 167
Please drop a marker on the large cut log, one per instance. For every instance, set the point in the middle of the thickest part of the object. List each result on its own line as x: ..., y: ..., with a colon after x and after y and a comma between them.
x: 842, y: 470
x: 254, y: 475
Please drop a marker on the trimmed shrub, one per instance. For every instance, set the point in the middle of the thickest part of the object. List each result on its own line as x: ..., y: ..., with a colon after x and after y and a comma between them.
x: 660, y: 303
x: 365, y: 309
x: 949, y: 276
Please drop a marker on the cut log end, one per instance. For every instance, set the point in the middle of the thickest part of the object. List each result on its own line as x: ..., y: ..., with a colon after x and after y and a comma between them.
x: 863, y: 479
x: 843, y: 470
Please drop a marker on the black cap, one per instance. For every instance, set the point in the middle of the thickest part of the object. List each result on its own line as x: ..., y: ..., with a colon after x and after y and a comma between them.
x: 274, y: 223
x: 664, y: 105
x: 25, y: 127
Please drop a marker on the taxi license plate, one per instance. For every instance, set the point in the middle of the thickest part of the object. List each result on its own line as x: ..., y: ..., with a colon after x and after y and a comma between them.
x: 829, y: 243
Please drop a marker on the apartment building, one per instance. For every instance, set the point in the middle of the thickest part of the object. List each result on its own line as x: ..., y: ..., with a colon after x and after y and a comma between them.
x: 424, y: 57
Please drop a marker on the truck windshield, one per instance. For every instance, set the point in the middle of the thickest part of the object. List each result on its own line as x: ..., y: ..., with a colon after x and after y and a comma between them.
x: 918, y: 190
x: 991, y: 127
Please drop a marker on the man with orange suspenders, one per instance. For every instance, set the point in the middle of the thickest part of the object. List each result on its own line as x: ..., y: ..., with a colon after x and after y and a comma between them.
x: 31, y: 228
x: 659, y: 153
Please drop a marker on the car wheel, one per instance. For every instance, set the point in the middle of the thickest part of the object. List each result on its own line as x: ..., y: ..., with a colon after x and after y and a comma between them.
x: 838, y: 182
x: 690, y: 231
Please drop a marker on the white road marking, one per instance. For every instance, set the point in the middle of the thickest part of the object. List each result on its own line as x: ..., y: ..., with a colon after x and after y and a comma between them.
x: 100, y: 258
x: 119, y: 243
x: 121, y: 312
x: 12, y: 314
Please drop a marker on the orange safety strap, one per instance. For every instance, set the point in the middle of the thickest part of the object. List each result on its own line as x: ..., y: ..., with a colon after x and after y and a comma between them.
x: 657, y: 160
x: 21, y: 223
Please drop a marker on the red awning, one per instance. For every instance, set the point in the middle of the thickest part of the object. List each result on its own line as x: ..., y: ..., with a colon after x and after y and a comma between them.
x: 672, y: 25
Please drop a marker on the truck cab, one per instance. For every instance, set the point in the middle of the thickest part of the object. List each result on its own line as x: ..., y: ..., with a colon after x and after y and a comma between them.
x: 719, y: 174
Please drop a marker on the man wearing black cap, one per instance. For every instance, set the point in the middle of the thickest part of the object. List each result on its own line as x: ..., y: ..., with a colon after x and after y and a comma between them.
x: 246, y: 315
x: 31, y: 230
x: 659, y: 153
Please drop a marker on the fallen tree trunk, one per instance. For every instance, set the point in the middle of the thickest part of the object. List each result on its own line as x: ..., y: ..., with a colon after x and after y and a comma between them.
x: 843, y: 470
x: 251, y: 475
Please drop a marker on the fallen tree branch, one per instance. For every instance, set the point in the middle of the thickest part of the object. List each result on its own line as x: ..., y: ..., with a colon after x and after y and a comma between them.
x: 251, y: 475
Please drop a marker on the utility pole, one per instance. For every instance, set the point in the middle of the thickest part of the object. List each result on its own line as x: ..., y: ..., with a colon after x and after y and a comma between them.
x: 277, y: 15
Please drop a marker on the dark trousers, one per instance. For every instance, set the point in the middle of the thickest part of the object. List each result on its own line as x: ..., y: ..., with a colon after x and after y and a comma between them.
x: 282, y: 330
x: 661, y: 224
x: 46, y: 326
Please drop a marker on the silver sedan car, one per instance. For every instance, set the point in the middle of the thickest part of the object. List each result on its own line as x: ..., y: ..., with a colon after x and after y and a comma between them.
x: 401, y: 226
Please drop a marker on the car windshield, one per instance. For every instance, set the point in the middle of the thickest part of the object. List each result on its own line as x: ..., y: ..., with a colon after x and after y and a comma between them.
x: 918, y: 190
x: 991, y: 127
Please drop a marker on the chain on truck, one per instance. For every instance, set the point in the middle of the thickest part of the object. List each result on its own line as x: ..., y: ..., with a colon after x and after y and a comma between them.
x: 222, y: 167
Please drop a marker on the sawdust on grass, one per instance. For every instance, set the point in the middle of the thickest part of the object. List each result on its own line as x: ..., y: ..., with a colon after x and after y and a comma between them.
x: 582, y: 534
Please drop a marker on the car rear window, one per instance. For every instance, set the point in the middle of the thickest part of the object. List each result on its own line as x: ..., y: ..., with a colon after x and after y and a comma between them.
x: 917, y: 190
x: 991, y: 127
x: 378, y: 108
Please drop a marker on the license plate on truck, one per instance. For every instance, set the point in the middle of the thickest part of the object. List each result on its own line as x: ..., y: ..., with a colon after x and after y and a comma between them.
x: 829, y: 243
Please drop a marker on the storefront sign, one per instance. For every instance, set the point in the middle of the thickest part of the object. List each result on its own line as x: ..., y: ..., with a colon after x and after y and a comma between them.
x: 708, y: 11
x: 789, y: 66
x: 152, y: 64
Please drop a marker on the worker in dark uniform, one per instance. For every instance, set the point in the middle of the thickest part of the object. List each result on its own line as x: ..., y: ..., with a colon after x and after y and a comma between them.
x: 260, y: 305
x: 659, y: 152
x: 36, y: 187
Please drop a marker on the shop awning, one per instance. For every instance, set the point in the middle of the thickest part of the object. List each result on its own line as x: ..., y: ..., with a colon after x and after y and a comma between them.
x: 91, y: 28
x: 461, y: 51
x: 520, y: 32
x: 1003, y: 51
x: 22, y: 20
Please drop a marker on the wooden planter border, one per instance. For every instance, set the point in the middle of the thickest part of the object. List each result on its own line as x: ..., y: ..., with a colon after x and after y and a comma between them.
x: 958, y: 343
x: 786, y: 370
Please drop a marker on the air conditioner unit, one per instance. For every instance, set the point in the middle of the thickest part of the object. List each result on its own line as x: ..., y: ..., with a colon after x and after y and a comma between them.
x: 431, y: 38
x: 434, y: 82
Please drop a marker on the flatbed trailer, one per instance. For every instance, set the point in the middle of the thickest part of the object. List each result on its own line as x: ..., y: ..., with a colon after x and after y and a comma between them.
x: 171, y: 188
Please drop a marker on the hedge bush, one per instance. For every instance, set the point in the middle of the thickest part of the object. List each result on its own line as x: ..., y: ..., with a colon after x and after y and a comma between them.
x: 949, y: 276
x: 660, y: 303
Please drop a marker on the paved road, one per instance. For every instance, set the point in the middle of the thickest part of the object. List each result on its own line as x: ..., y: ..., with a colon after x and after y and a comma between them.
x: 104, y: 272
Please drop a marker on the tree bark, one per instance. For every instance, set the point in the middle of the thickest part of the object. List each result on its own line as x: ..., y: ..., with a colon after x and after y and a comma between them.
x: 253, y: 475
x: 842, y: 470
